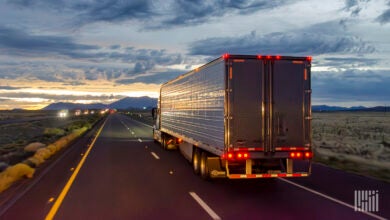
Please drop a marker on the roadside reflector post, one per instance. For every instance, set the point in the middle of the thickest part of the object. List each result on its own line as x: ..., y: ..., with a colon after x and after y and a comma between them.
x: 248, y: 166
x: 289, y: 164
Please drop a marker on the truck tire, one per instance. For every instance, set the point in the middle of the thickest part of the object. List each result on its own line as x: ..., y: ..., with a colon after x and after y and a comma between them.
x: 204, y: 168
x: 164, y: 142
x: 196, y: 160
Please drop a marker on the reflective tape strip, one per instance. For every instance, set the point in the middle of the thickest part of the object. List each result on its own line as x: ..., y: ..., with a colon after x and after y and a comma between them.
x: 277, y: 148
x: 266, y: 175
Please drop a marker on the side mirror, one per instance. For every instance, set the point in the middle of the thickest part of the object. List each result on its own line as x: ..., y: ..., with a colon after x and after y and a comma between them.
x: 154, y: 113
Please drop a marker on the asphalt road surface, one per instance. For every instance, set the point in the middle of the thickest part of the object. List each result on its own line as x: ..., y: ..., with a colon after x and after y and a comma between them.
x: 123, y: 174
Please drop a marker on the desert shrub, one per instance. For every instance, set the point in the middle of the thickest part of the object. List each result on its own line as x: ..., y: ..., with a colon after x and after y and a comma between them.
x: 53, y: 132
x: 42, y: 154
x: 13, y: 174
x: 34, y: 160
x: 33, y: 147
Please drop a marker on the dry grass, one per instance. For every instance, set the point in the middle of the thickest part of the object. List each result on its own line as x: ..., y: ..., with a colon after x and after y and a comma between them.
x: 13, y: 174
x: 20, y: 170
x: 354, y: 141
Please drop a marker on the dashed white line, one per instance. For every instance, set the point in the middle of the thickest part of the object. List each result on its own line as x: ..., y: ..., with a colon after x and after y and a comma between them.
x: 204, y: 206
x: 331, y: 198
x: 139, y: 139
x: 155, y: 155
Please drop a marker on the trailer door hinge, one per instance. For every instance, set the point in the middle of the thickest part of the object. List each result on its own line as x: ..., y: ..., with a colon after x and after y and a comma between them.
x: 308, y: 91
x: 308, y: 118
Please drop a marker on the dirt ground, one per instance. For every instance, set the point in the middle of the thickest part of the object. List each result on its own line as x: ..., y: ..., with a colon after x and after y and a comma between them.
x: 355, y: 141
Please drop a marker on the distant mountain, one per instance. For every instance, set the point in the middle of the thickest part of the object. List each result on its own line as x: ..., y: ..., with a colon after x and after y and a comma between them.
x: 134, y: 102
x: 125, y: 103
x: 325, y: 108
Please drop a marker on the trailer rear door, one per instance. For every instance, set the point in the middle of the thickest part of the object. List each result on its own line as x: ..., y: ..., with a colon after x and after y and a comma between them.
x: 291, y: 103
x: 245, y: 102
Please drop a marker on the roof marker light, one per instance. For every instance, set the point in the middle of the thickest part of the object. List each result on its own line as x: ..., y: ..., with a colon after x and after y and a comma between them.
x: 259, y: 57
x: 268, y: 57
x: 277, y: 57
x: 225, y: 56
x: 309, y: 58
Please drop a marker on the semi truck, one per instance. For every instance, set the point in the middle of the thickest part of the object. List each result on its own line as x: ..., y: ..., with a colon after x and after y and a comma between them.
x: 240, y: 117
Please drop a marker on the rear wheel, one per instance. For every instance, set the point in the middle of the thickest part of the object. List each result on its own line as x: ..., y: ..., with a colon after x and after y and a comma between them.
x: 196, y: 161
x: 204, y: 168
x: 164, y: 142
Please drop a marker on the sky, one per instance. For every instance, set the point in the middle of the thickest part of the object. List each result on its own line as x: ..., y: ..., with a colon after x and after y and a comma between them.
x: 88, y: 51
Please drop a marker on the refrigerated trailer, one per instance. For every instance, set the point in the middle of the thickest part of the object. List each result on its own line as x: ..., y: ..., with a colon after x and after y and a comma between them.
x: 240, y: 116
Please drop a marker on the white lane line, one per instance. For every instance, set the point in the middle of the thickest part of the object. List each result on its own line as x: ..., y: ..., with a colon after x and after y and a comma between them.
x: 155, y: 155
x: 205, y: 206
x: 139, y: 139
x: 331, y: 198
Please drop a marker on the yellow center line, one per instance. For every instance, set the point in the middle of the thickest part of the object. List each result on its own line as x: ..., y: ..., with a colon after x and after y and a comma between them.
x: 65, y: 190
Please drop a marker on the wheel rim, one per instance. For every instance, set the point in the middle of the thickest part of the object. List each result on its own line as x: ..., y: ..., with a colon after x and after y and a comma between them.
x: 203, y: 166
x: 195, y: 162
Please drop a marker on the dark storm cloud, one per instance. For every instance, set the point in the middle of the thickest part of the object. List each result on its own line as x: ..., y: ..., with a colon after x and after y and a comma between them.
x: 113, y: 10
x: 384, y: 18
x: 18, y: 42
x: 354, y: 6
x: 352, y: 85
x: 163, y: 14
x: 184, y: 12
x: 323, y: 38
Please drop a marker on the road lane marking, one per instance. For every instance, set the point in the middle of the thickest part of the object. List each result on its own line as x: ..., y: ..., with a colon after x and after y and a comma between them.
x: 155, y: 155
x: 331, y: 198
x: 65, y: 190
x: 204, y: 206
x: 139, y: 139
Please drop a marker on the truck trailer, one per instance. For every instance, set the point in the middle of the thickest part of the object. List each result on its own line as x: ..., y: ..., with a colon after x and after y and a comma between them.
x: 240, y: 116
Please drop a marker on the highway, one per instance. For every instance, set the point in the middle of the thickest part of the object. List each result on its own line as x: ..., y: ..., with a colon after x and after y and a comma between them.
x: 123, y: 174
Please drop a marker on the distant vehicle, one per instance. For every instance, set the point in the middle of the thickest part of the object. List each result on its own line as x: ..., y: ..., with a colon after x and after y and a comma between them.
x: 240, y: 116
x: 63, y: 113
x: 86, y: 112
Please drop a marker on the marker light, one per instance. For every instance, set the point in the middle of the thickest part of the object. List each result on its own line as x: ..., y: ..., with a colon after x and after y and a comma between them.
x: 308, y: 58
x: 225, y: 56
x: 259, y: 57
x: 308, y: 155
x: 277, y: 57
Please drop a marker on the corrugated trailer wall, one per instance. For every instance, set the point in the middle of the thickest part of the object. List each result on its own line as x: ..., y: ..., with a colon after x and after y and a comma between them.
x: 193, y: 105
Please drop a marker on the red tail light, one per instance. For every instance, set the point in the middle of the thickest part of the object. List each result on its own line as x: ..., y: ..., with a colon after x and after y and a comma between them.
x: 308, y: 155
x: 277, y: 57
x: 236, y: 156
x: 259, y: 57
x: 301, y: 155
